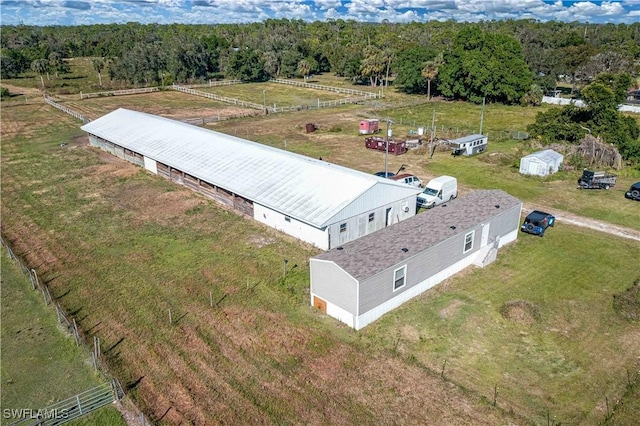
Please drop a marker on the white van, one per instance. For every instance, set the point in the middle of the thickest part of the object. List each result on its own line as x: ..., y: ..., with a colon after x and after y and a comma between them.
x: 438, y: 191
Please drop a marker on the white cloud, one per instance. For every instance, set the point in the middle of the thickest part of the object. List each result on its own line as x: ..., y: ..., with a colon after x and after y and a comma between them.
x: 75, y: 12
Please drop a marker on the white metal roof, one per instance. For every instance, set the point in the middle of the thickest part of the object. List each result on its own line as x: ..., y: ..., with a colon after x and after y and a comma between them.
x: 547, y: 156
x: 309, y: 190
x: 468, y: 138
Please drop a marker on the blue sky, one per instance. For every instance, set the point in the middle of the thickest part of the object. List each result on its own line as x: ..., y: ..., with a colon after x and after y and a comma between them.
x: 87, y: 12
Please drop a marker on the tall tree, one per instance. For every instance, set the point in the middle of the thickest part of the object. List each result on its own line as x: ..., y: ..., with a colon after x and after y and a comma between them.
x: 430, y: 71
x: 246, y: 65
x: 373, y: 65
x: 304, y: 68
x: 484, y: 65
x: 98, y: 66
x: 600, y: 117
x: 40, y: 67
x: 408, y: 67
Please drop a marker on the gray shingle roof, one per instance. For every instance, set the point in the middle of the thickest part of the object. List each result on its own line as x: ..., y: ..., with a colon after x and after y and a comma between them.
x: 384, y: 248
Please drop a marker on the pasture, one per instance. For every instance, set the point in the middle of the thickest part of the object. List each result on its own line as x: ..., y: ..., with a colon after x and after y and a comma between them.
x: 533, y: 338
x: 40, y: 365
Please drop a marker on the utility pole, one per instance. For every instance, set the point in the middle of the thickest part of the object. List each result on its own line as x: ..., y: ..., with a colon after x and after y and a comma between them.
x: 386, y: 153
x: 264, y: 99
x: 482, y: 114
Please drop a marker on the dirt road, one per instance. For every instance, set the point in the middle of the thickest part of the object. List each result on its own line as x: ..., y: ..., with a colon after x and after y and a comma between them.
x: 598, y: 225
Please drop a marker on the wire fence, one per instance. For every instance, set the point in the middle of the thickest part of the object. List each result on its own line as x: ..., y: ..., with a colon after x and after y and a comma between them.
x: 85, y: 402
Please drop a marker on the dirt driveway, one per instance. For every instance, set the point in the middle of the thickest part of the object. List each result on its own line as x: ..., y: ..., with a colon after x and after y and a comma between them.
x: 576, y: 220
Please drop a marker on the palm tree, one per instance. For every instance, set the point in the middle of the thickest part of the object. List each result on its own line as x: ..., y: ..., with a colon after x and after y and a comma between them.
x: 430, y: 71
x: 40, y: 66
x: 55, y: 62
x: 304, y: 68
x: 98, y: 65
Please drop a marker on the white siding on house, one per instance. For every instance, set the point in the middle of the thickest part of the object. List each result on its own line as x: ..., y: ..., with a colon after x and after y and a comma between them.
x: 370, y: 316
x: 333, y: 286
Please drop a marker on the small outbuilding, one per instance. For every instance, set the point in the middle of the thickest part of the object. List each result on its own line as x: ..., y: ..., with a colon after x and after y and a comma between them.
x: 360, y: 281
x: 541, y: 163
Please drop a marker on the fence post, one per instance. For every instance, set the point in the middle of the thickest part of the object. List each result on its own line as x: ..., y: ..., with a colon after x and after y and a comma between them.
x: 75, y: 332
x: 34, y: 278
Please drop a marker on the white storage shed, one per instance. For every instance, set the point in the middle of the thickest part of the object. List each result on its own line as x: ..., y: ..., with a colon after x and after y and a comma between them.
x: 315, y: 201
x: 541, y: 163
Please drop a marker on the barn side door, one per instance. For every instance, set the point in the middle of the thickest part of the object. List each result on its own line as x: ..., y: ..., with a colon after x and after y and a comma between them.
x: 387, y: 217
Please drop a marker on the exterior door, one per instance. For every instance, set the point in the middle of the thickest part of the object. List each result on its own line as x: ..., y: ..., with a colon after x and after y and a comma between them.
x: 485, y: 235
x: 320, y: 304
x: 387, y: 217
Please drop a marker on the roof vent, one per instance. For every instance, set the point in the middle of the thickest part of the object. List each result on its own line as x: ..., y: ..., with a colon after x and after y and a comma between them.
x: 340, y: 248
x: 404, y: 249
x: 452, y: 227
x: 497, y: 206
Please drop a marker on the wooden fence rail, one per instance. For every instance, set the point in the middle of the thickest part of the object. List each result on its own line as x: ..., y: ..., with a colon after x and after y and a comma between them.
x: 214, y: 83
x: 66, y: 109
x: 119, y: 92
x: 213, y: 96
x: 366, y: 95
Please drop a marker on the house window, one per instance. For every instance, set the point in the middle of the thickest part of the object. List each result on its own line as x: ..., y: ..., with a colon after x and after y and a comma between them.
x: 343, y: 227
x: 372, y: 216
x: 468, y: 241
x: 287, y: 219
x: 399, y: 277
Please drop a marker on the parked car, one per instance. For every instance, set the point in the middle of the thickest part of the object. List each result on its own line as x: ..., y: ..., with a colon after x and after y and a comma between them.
x: 634, y: 192
x: 382, y: 174
x: 408, y: 179
x: 439, y: 190
x: 537, y: 222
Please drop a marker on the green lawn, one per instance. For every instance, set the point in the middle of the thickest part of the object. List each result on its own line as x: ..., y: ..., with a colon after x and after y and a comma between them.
x: 539, y: 324
x: 40, y: 364
x: 535, y: 332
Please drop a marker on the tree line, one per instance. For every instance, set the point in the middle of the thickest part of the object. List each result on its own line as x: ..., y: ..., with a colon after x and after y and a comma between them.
x: 422, y: 57
x: 512, y: 61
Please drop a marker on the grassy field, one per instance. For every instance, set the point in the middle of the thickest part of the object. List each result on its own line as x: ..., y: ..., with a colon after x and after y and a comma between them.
x: 40, y: 365
x: 534, y: 337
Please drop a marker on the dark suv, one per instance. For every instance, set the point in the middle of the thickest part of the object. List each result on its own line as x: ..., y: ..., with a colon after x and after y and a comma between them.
x: 536, y: 222
x: 634, y: 192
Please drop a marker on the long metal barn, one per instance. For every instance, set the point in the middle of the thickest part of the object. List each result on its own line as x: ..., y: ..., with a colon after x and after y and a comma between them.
x: 318, y: 202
